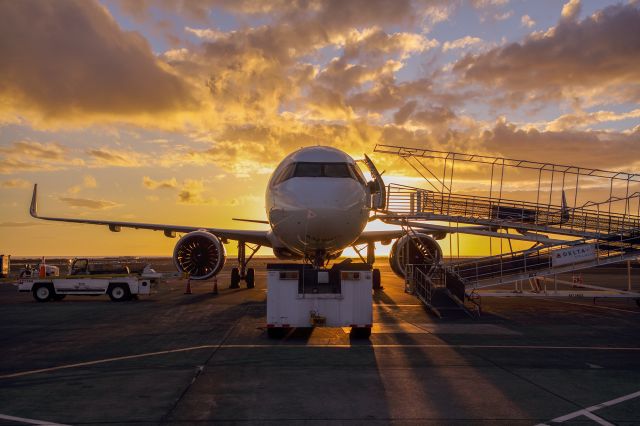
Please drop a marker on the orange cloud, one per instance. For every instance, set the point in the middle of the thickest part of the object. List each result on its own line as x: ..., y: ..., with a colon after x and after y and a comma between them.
x: 88, y: 203
x: 15, y: 183
x: 70, y: 59
x: 35, y: 156
x: 149, y: 183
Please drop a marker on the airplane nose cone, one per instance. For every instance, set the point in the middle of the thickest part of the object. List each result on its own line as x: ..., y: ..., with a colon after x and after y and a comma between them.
x: 327, y: 216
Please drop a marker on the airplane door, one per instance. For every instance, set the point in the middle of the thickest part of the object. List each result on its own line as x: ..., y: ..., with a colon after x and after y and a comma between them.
x: 377, y: 188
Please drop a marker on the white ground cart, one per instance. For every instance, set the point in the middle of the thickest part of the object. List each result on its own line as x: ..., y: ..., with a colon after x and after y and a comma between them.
x: 302, y: 296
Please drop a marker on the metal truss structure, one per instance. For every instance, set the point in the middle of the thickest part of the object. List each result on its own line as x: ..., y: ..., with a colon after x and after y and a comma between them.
x: 574, y: 217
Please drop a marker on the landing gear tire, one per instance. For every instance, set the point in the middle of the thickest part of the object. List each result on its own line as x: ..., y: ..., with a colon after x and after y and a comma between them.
x: 251, y: 278
x: 276, y: 333
x: 42, y: 292
x: 376, y: 280
x: 119, y: 293
x: 235, y: 278
x: 360, y: 332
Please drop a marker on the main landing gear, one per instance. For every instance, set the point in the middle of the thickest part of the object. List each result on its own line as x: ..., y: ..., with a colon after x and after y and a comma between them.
x: 242, y: 272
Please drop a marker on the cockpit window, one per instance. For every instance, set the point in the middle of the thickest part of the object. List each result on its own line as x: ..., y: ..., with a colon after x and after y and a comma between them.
x: 357, y: 173
x: 336, y: 170
x: 307, y: 169
x: 286, y: 173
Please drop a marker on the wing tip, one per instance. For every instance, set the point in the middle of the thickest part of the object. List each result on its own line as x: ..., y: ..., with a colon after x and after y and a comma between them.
x: 33, y: 209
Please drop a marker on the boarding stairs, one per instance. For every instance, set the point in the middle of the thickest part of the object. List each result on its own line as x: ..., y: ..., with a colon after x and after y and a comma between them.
x: 437, y: 287
x: 447, y: 284
x: 567, y: 237
x: 406, y: 203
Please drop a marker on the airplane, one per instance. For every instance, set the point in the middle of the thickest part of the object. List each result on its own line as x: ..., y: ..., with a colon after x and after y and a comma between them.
x: 317, y: 202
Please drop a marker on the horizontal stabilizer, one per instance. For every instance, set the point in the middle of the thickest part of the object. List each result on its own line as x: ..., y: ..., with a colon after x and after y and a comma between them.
x: 251, y: 220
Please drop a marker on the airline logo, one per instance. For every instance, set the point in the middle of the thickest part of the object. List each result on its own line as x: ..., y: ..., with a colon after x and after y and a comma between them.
x: 575, y: 254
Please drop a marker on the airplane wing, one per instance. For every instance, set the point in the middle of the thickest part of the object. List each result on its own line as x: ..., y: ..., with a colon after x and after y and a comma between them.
x: 373, y: 236
x: 253, y: 237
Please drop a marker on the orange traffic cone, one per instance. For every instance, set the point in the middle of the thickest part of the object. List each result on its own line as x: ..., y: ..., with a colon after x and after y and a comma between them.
x: 42, y: 272
x: 188, y: 289
x: 215, y: 285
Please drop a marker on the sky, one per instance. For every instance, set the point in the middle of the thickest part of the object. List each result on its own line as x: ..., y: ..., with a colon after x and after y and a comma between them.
x: 177, y: 111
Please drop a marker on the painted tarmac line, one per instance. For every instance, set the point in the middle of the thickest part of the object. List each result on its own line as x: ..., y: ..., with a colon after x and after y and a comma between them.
x: 29, y: 421
x: 312, y: 346
x: 596, y: 306
x: 102, y: 361
x: 588, y: 412
x: 393, y: 305
x: 427, y: 345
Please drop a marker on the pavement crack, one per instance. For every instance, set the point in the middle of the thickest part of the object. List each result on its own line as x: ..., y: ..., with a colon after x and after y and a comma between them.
x: 199, y: 369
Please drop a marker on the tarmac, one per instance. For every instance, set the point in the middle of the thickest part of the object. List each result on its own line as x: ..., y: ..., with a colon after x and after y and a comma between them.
x: 171, y: 358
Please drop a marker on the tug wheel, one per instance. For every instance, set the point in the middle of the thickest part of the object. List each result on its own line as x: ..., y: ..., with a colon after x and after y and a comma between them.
x: 118, y: 292
x: 360, y: 332
x: 276, y: 332
x: 42, y: 292
x: 376, y: 280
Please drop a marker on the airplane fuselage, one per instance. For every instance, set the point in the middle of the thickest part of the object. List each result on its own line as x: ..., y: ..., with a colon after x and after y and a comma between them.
x: 317, y: 202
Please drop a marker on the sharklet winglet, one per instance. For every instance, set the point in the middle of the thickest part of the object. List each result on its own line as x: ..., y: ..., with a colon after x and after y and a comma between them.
x: 33, y: 210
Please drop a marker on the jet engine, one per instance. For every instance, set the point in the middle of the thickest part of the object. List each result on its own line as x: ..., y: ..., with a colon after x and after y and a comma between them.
x: 406, y: 250
x: 200, y: 254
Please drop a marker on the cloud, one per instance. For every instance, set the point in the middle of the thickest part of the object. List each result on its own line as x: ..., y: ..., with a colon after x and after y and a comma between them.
x: 403, y: 114
x: 28, y: 155
x: 22, y: 224
x: 205, y: 33
x: 87, y: 182
x: 583, y: 119
x: 503, y: 16
x: 47, y: 151
x: 596, y: 149
x: 192, y: 192
x: 88, y: 203
x: 70, y: 59
x: 596, y: 60
x: 15, y: 183
x: 149, y: 183
x: 461, y: 43
x: 373, y: 43
x: 571, y: 10
x: 526, y: 21
x: 120, y: 158
x: 480, y: 4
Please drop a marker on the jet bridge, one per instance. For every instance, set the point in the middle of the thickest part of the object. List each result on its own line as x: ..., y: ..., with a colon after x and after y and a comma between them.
x: 550, y: 205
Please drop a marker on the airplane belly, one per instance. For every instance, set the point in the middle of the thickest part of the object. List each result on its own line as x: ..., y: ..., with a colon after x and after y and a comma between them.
x: 304, y: 232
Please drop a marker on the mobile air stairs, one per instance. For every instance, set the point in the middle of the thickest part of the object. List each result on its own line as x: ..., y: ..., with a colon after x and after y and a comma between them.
x: 562, y: 237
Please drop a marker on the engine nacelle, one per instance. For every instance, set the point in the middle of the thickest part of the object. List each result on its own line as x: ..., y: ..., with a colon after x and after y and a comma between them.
x: 405, y: 250
x: 199, y: 254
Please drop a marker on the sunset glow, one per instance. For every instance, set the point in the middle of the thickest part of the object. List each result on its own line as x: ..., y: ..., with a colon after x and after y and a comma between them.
x: 177, y: 112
